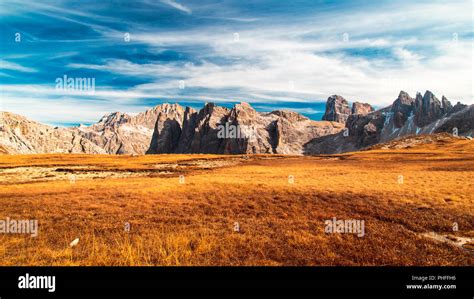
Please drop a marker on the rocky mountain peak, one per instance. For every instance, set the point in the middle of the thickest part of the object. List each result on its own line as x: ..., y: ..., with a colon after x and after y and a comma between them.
x: 403, y: 99
x: 208, y: 108
x: 406, y: 116
x: 427, y: 109
x: 169, y: 108
x: 337, y: 109
x: 243, y: 106
x: 148, y: 118
x: 446, y: 104
x: 402, y: 108
x: 243, y: 111
x: 361, y: 108
x: 169, y: 111
x: 189, y: 110
x: 212, y: 130
x: 171, y: 128
x: 112, y: 120
x: 20, y: 135
x: 430, y: 100
x: 458, y: 107
x: 113, y: 117
x: 289, y: 115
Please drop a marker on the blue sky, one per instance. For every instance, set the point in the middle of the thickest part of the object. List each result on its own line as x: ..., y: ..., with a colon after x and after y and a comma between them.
x: 272, y: 54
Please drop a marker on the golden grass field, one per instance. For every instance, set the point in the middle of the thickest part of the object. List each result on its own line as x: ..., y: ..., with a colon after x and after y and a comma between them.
x: 93, y: 197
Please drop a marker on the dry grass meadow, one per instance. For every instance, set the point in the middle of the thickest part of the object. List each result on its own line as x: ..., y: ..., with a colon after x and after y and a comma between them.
x: 408, y: 221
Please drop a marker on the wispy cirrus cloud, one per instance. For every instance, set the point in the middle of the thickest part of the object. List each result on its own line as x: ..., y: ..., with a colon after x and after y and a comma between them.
x: 8, y: 65
x: 176, y: 5
x: 275, y: 53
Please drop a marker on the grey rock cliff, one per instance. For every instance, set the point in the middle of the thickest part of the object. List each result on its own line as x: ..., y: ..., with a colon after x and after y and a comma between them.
x: 361, y: 108
x: 171, y: 128
x: 406, y: 116
x: 337, y: 109
x: 282, y: 132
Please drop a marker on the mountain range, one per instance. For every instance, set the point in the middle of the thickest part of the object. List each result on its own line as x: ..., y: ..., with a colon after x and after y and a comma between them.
x: 171, y: 128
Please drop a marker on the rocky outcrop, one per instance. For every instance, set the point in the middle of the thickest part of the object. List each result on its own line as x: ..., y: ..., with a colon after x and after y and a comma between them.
x: 401, y: 109
x: 167, y: 128
x: 252, y: 129
x: 361, y: 108
x: 460, y: 122
x: 19, y: 135
x: 242, y: 130
x: 456, y: 108
x: 427, y: 109
x: 187, y: 131
x: 337, y: 109
x: 446, y: 105
x: 120, y: 133
x: 205, y: 139
x: 171, y: 128
x: 115, y: 133
x: 406, y: 116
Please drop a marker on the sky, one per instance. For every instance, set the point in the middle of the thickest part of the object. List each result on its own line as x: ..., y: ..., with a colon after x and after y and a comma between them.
x: 272, y: 54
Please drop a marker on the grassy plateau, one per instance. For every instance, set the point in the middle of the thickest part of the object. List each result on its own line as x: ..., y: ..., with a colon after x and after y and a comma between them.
x: 416, y: 202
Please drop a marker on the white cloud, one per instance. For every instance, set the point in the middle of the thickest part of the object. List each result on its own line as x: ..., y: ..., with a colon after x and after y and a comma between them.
x: 310, y: 53
x: 314, y: 75
x: 407, y: 57
x: 7, y: 65
x: 177, y: 6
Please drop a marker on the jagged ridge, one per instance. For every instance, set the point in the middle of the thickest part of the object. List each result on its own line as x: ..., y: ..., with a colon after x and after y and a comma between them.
x: 171, y: 128
x: 406, y: 116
